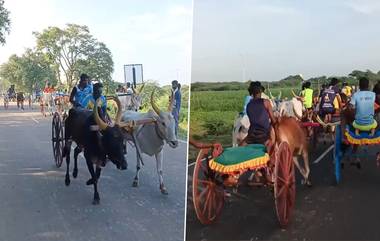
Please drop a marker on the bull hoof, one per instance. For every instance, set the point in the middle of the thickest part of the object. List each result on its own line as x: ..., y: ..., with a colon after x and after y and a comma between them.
x: 164, y: 191
x: 96, y: 202
x: 75, y: 173
x: 135, y: 183
x: 90, y: 182
x: 67, y: 181
x: 307, y: 182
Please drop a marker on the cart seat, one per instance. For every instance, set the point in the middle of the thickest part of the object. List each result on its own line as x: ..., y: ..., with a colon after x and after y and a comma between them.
x: 240, y: 159
x: 363, y: 138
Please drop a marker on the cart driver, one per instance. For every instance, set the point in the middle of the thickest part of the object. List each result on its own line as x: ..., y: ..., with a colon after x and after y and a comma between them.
x: 260, y: 114
x: 80, y: 91
x: 90, y: 100
x: 363, y: 102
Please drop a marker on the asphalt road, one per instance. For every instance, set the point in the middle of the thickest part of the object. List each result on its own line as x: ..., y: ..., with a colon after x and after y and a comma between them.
x: 349, y: 211
x: 35, y: 204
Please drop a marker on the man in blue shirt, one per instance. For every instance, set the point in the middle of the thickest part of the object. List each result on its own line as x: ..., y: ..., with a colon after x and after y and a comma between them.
x: 363, y: 101
x: 81, y: 91
x: 176, y: 104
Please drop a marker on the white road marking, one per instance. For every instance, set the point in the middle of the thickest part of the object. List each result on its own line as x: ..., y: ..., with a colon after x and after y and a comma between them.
x: 34, y: 119
x: 191, y: 164
x: 323, y: 154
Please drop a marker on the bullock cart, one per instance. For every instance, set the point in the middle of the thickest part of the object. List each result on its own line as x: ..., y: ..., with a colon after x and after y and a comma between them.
x: 57, y: 128
x: 345, y: 141
x: 57, y: 138
x: 217, y: 169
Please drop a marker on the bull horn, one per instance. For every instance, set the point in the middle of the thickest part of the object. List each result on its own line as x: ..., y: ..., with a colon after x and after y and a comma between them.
x: 294, y: 94
x: 119, y: 110
x: 102, y: 125
x: 328, y: 124
x: 141, y: 89
x: 154, y: 106
x: 320, y: 121
x: 295, y: 113
x: 279, y: 95
x: 271, y: 96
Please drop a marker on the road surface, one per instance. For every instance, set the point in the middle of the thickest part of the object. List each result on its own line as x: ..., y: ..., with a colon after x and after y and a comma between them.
x: 36, y: 205
x: 349, y: 211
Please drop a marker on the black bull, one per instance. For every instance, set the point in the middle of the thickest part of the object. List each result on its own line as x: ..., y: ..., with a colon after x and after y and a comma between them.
x: 99, y: 141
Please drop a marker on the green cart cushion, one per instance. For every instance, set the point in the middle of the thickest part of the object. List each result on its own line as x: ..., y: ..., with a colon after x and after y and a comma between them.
x: 242, y: 158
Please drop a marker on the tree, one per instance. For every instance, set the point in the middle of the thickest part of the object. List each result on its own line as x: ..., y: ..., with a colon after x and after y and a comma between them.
x: 99, y: 64
x: 74, y: 50
x: 28, y: 71
x: 5, y: 22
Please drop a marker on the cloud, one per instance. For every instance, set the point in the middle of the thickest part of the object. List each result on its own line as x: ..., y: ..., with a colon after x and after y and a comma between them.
x: 364, y: 6
x: 277, y: 10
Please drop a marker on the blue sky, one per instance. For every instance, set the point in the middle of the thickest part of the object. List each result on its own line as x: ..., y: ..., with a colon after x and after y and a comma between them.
x: 154, y: 33
x: 269, y: 39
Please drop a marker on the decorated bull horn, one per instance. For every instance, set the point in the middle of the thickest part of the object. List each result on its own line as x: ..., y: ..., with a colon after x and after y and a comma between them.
x: 154, y: 106
x: 102, y: 125
x: 279, y: 95
x: 170, y: 107
x: 119, y: 110
x: 294, y: 94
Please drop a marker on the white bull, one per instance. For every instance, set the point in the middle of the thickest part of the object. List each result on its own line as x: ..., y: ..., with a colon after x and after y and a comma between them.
x: 150, y: 137
x: 291, y: 108
x: 131, y: 101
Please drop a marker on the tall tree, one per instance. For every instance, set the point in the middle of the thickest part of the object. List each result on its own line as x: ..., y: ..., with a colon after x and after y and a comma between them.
x: 28, y: 71
x: 5, y: 22
x: 74, y: 50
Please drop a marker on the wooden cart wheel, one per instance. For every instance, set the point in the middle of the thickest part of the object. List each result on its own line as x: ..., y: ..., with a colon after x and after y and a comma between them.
x: 284, y: 184
x: 57, y: 139
x: 208, y: 191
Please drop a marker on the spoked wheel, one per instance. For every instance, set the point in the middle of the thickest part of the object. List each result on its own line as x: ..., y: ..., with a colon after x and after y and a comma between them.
x: 208, y: 191
x: 284, y: 184
x: 57, y: 139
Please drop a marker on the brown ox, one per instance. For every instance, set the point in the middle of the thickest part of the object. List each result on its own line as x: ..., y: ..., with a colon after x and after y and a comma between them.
x: 288, y: 129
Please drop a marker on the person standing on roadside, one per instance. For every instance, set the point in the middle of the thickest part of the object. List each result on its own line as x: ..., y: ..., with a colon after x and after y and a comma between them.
x: 176, y: 103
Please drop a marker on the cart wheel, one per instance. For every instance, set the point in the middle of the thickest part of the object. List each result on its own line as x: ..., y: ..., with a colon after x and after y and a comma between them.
x: 284, y: 184
x: 208, y: 191
x: 57, y: 139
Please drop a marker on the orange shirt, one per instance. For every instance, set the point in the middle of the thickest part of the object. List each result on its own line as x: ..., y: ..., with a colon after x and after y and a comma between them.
x: 48, y: 89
